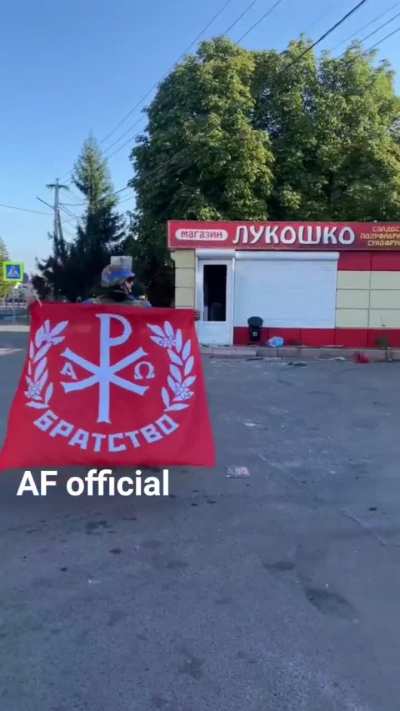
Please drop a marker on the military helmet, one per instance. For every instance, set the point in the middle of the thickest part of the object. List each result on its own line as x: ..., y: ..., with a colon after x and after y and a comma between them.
x: 114, y: 275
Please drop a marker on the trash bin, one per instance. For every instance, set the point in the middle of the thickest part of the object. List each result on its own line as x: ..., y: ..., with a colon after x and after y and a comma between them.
x: 255, y: 324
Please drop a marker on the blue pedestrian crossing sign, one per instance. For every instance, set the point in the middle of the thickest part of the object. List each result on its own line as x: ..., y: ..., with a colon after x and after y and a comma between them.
x: 13, y: 271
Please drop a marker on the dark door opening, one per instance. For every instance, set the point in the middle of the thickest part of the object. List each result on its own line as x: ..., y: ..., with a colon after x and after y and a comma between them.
x: 214, y: 292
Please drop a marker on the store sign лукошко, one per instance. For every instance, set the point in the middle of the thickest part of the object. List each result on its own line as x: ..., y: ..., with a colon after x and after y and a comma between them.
x: 284, y: 235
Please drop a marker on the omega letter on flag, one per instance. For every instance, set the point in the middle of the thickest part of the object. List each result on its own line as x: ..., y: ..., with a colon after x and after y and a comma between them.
x: 109, y: 385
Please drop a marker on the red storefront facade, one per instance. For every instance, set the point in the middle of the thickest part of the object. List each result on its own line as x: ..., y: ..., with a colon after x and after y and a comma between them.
x: 314, y: 283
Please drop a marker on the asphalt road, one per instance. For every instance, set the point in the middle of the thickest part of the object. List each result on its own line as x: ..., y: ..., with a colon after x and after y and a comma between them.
x: 276, y: 592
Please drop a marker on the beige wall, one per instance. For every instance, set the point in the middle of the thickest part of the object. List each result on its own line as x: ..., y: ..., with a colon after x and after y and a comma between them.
x: 368, y: 300
x: 363, y: 300
x: 185, y: 278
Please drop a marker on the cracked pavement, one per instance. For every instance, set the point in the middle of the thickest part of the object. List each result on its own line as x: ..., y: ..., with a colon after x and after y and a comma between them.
x: 275, y: 591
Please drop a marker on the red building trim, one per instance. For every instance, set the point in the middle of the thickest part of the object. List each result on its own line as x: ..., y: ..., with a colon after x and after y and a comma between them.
x: 369, y: 261
x: 321, y: 337
x: 387, y: 262
x: 354, y: 262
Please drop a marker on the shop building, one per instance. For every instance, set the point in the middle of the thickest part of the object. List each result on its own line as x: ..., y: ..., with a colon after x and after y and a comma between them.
x: 314, y: 283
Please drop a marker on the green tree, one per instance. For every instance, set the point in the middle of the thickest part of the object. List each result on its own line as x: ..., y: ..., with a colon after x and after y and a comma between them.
x: 334, y: 130
x: 101, y: 230
x: 55, y: 271
x: 74, y: 268
x: 200, y: 157
x: 5, y: 287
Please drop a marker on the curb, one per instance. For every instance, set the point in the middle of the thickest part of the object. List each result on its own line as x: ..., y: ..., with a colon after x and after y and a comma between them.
x: 271, y: 354
x: 298, y: 353
x: 227, y: 352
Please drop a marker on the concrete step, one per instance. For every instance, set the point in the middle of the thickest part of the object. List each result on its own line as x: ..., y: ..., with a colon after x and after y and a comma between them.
x: 296, y: 352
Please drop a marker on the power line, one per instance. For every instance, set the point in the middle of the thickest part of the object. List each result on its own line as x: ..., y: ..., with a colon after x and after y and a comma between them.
x: 24, y: 209
x: 125, y: 143
x: 68, y: 175
x: 69, y: 212
x: 321, y: 17
x: 394, y: 32
x: 121, y: 190
x: 60, y: 207
x: 127, y: 132
x: 66, y: 206
x: 203, y: 31
x: 69, y: 222
x: 73, y: 193
x: 263, y: 17
x: 365, y: 27
x: 241, y: 16
x: 82, y: 204
x: 269, y: 11
x: 69, y: 232
x: 371, y: 34
x: 154, y: 86
x: 136, y: 106
x: 45, y: 203
x: 327, y: 33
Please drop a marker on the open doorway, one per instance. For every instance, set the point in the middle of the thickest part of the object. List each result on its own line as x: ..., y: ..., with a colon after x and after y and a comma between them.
x: 214, y: 301
x: 214, y: 292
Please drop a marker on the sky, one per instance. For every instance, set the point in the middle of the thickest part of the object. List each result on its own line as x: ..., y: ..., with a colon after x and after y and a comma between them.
x: 70, y: 69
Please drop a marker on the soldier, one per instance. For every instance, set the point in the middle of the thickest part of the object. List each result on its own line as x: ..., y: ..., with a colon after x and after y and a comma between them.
x: 117, y: 281
x: 116, y: 287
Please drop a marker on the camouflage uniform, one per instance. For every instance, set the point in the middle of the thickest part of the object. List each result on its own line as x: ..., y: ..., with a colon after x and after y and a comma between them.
x: 125, y: 302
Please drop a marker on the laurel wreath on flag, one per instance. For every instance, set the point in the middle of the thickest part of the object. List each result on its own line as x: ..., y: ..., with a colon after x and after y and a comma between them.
x: 37, y: 379
x: 181, y: 365
x: 40, y: 391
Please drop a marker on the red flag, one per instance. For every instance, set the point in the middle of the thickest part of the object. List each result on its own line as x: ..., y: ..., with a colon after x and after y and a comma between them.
x: 109, y: 385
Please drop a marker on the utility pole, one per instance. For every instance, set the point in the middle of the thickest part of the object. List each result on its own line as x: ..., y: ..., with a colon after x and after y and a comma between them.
x: 57, y: 186
x: 59, y: 246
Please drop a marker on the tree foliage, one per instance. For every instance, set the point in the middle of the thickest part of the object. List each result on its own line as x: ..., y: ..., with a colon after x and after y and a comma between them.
x: 333, y: 125
x: 234, y: 134
x: 200, y: 157
x: 74, y: 268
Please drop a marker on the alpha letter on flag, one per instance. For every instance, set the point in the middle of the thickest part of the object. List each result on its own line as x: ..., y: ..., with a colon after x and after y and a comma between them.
x: 109, y: 385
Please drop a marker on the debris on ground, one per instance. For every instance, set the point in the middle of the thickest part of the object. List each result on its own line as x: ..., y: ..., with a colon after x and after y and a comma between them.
x: 329, y: 356
x: 276, y: 342
x: 9, y: 351
x: 298, y: 363
x: 361, y: 358
x: 237, y: 473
